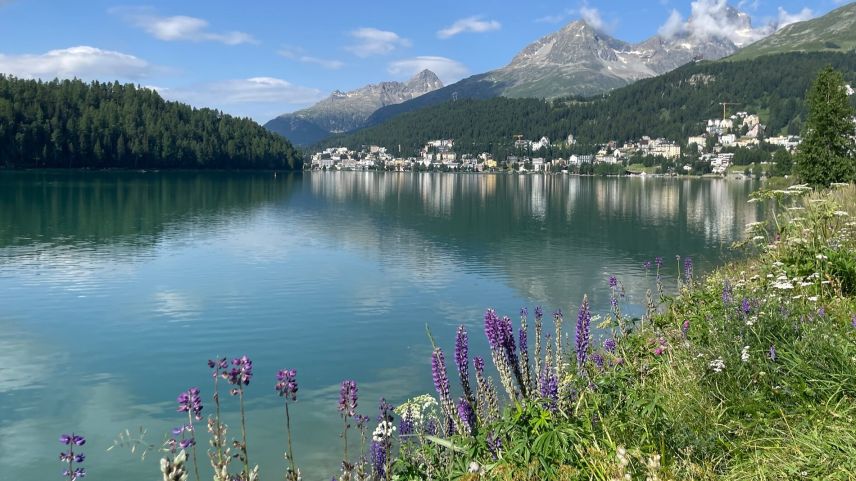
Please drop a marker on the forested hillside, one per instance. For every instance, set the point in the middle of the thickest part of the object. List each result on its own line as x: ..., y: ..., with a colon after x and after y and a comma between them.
x: 72, y: 124
x: 673, y: 105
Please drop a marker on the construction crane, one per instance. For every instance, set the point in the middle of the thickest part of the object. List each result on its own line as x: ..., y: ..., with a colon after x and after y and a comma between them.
x: 725, y: 105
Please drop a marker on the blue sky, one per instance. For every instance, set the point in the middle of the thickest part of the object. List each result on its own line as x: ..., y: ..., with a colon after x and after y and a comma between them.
x: 267, y: 57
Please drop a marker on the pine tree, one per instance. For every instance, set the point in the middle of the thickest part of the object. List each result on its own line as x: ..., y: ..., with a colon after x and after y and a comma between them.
x: 826, y: 153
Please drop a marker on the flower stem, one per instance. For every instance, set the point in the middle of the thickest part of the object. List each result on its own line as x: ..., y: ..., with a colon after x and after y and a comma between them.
x: 244, y: 434
x: 293, y: 475
x: 193, y: 432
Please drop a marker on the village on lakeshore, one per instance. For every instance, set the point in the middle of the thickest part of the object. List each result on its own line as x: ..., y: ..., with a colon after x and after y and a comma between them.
x: 725, y: 146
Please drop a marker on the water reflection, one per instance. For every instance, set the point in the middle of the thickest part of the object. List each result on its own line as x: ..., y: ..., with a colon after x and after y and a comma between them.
x: 116, y: 287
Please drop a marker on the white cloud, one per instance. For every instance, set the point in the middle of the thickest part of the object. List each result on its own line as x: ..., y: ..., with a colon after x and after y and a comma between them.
x: 82, y: 61
x: 259, y: 97
x: 715, y: 18
x: 674, y: 24
x: 786, y: 18
x: 295, y: 53
x: 593, y: 18
x: 470, y: 24
x: 447, y: 69
x: 372, y: 41
x: 179, y: 27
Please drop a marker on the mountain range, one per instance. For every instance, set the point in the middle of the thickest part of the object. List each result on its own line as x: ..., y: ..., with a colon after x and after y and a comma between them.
x: 346, y: 111
x: 579, y: 60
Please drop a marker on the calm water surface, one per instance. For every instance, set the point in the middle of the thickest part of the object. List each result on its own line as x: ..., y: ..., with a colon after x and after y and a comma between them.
x: 115, y: 288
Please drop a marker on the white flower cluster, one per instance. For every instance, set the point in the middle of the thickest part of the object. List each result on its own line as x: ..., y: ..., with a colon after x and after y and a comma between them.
x: 383, y: 431
x: 717, y: 365
x: 744, y: 354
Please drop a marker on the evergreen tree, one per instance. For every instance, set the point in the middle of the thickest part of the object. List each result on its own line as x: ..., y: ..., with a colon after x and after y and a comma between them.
x: 826, y: 153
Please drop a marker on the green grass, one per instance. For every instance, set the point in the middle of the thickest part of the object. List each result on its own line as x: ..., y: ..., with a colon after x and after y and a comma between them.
x: 659, y: 409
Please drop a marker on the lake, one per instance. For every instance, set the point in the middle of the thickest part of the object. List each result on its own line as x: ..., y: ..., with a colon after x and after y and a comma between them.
x: 116, y: 288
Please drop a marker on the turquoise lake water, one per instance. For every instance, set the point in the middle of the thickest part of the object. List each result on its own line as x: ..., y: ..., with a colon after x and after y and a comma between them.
x: 116, y: 288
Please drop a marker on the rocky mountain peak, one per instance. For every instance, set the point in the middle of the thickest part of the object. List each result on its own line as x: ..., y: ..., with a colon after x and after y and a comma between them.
x: 424, y: 82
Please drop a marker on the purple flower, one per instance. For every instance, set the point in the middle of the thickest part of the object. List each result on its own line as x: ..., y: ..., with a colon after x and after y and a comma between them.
x: 348, y: 398
x: 438, y: 373
x: 549, y: 387
x: 727, y: 292
x: 186, y: 443
x: 685, y: 328
x: 71, y: 457
x: 494, y: 444
x: 286, y: 384
x: 462, y: 360
x: 384, y: 411
x: 524, y: 345
x: 853, y: 321
x: 609, y: 345
x: 821, y: 312
x: 478, y: 363
x: 582, y: 336
x: 405, y: 424
x: 647, y: 265
x: 659, y: 261
x: 597, y: 358
x: 361, y: 420
x: 524, y: 312
x: 467, y: 416
x: 539, y: 312
x: 241, y: 372
x: 189, y: 401
x: 772, y: 353
x: 431, y: 427
x: 745, y: 306
x: 378, y: 455
x: 688, y: 269
x: 613, y: 282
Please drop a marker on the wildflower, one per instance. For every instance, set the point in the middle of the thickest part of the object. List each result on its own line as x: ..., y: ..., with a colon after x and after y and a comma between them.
x: 772, y: 353
x: 821, y: 257
x: 462, y: 360
x: 784, y: 285
x: 441, y: 382
x: 821, y: 311
x: 383, y: 431
x: 661, y: 347
x: 190, y: 402
x: 378, y: 455
x: 744, y: 354
x: 745, y: 307
x: 240, y: 374
x: 727, y: 292
x: 494, y: 444
x: 348, y: 398
x: 685, y: 328
x: 647, y: 265
x: 70, y: 457
x: 467, y: 416
x: 598, y: 360
x: 613, y: 282
x: 659, y: 261
x: 853, y: 321
x: 609, y: 345
x: 286, y: 384
x: 582, y: 333
x: 717, y: 365
x: 406, y: 424
x: 549, y: 390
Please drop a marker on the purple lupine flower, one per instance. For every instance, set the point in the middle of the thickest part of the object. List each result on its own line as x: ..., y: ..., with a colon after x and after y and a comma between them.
x: 405, y: 423
x: 508, y: 340
x: 492, y: 329
x: 598, y: 360
x: 549, y: 388
x: 361, y: 421
x: 647, y: 265
x: 462, y: 360
x: 539, y: 312
x: 494, y: 444
x: 772, y: 352
x: 240, y: 374
x: 685, y: 328
x: 438, y: 373
x: 431, y: 427
x: 727, y: 292
x: 478, y: 363
x: 522, y: 336
x: 384, y: 411
x: 745, y: 307
x: 378, y: 455
x: 609, y: 345
x: 466, y: 415
x: 688, y: 269
x: 186, y: 443
x: 71, y: 457
x: 524, y: 312
x: 659, y: 261
x: 821, y: 312
x: 348, y: 398
x: 582, y: 334
x: 613, y: 282
x: 189, y: 401
x: 286, y: 384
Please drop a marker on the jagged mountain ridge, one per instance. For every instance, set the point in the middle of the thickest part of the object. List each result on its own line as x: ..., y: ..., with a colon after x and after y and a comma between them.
x: 581, y: 60
x: 346, y: 111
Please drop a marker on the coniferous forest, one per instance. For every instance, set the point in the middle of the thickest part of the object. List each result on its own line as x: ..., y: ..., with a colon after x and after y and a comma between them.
x: 73, y: 124
x: 674, y: 105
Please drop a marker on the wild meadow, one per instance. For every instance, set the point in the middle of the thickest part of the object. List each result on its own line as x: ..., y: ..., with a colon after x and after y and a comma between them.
x: 748, y: 373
